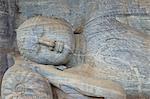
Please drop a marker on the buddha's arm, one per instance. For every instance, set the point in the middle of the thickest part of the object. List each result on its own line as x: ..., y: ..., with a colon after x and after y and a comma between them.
x: 84, y: 85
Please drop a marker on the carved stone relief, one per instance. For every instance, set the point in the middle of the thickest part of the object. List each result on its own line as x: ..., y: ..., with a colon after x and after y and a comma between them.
x: 85, y: 49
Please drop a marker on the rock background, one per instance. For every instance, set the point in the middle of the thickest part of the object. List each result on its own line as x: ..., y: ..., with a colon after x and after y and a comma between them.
x: 7, y: 35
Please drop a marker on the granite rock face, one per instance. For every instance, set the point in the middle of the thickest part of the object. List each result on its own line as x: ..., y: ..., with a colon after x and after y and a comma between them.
x: 7, y: 13
x: 75, y: 11
x: 112, y: 36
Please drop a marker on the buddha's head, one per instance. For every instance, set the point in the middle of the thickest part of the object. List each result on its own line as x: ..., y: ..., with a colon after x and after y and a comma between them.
x: 46, y: 40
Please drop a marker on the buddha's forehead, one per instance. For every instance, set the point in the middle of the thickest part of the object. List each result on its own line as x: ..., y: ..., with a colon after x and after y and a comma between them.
x: 52, y: 28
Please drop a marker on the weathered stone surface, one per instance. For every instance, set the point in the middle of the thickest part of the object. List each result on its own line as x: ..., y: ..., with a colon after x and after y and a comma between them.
x: 46, y: 40
x: 25, y: 73
x: 114, y: 51
x: 7, y: 18
x: 70, y: 94
x: 119, y: 52
x: 140, y: 23
x: 74, y: 11
x: 80, y: 84
x: 20, y: 82
x: 4, y: 38
x: 6, y: 34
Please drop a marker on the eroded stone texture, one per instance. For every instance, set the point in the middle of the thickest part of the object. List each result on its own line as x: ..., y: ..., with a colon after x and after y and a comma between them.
x: 4, y: 38
x: 26, y: 75
x: 6, y: 34
x: 83, y: 86
x: 70, y: 94
x: 121, y: 54
x: 20, y: 82
x: 114, y: 51
x: 46, y: 40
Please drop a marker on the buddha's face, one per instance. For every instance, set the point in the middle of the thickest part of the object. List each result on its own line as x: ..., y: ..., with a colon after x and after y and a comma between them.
x: 46, y: 40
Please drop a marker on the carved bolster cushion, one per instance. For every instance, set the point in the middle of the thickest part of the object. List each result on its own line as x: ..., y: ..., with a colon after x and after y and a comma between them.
x: 20, y: 82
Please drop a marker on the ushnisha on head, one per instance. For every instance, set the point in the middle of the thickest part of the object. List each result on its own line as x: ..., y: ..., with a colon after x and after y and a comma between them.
x: 46, y: 40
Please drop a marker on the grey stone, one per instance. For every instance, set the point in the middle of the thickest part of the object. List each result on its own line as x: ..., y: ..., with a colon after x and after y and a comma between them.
x: 46, y: 40
x: 112, y: 37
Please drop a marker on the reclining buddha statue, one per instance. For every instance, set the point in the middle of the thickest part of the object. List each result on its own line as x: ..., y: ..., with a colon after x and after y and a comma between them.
x: 98, y: 58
